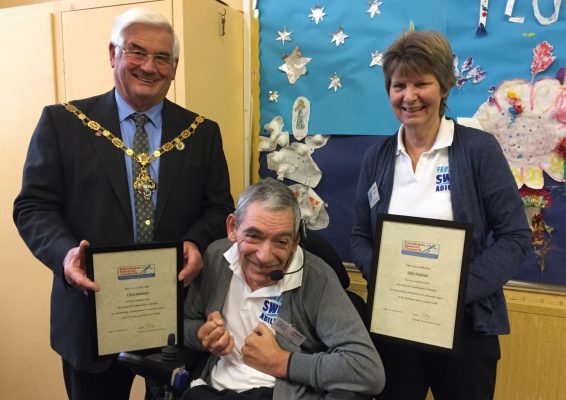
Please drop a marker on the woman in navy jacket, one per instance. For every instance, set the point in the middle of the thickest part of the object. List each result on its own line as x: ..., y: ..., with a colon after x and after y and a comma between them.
x: 435, y: 168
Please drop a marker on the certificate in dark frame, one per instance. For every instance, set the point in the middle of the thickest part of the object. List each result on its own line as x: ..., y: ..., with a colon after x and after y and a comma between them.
x: 465, y: 247
x: 176, y: 292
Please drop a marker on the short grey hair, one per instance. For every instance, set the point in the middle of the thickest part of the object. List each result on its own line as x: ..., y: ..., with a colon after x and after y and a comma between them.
x: 272, y: 195
x: 138, y: 15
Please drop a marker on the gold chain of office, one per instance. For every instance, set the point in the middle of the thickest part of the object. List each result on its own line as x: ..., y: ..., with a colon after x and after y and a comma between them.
x: 144, y: 184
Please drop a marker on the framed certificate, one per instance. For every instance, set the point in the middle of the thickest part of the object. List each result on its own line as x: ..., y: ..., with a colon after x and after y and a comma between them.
x: 140, y: 299
x: 418, y: 281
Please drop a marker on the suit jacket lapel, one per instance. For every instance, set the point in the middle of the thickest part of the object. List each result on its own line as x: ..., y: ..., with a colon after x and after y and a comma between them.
x: 174, y: 123
x: 105, y: 111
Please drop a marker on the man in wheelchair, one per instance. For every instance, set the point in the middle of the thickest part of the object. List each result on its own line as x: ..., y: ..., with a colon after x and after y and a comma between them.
x: 275, y: 320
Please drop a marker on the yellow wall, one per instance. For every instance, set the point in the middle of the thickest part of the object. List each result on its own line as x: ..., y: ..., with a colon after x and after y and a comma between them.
x: 25, y: 284
x: 215, y: 77
x: 533, y: 359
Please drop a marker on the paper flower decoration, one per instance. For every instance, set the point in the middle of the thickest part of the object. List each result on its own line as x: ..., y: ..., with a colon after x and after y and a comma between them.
x: 516, y: 107
x: 539, y: 198
x: 529, y: 142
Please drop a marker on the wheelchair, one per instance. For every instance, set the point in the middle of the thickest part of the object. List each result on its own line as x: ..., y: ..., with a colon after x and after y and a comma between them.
x: 165, y: 372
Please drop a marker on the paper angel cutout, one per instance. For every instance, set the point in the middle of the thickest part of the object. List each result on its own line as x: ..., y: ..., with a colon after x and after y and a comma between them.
x: 528, y: 143
x: 301, y: 116
x: 312, y: 208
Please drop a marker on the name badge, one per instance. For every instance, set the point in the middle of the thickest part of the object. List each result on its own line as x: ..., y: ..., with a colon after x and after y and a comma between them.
x: 373, y: 195
x: 285, y: 329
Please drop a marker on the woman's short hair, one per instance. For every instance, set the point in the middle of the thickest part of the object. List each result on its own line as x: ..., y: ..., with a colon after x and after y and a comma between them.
x: 421, y: 52
x: 138, y: 15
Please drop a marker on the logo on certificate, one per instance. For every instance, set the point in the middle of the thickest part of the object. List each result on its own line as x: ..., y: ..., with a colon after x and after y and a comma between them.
x: 420, y: 249
x: 136, y: 272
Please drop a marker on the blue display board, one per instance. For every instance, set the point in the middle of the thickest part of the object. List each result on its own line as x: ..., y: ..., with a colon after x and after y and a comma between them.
x: 358, y: 113
x: 361, y: 106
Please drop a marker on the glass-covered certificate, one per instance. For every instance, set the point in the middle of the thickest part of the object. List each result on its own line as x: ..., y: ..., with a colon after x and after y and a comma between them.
x: 140, y: 299
x: 418, y: 281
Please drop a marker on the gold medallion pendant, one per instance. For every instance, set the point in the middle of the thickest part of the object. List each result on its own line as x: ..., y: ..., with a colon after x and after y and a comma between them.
x: 144, y: 184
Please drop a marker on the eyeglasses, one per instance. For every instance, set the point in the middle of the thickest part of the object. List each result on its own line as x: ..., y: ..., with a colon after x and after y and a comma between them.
x: 140, y: 57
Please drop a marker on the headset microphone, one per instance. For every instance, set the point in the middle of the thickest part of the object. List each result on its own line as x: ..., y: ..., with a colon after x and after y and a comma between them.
x: 277, y: 275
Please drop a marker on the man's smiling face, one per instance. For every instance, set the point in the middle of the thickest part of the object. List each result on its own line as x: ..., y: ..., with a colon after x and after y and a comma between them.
x: 146, y: 84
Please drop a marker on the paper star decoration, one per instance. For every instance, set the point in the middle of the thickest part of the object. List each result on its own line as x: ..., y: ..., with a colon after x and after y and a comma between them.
x: 338, y: 37
x: 376, y: 59
x: 374, y: 8
x: 295, y: 65
x: 272, y: 96
x: 316, y: 14
x: 284, y: 36
x: 335, y: 82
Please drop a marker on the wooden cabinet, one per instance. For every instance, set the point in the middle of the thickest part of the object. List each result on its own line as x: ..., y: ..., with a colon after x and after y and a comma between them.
x: 58, y: 51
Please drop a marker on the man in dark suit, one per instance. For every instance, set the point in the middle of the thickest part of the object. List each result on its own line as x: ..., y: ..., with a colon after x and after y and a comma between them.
x: 85, y: 179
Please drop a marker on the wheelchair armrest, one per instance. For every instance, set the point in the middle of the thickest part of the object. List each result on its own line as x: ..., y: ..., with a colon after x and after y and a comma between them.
x: 148, y: 368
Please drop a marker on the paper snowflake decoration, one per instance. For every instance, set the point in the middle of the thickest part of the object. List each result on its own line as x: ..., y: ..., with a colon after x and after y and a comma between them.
x: 273, y: 96
x: 316, y: 14
x: 374, y: 8
x: 284, y: 36
x: 295, y: 65
x: 376, y: 59
x: 338, y: 37
x: 335, y: 82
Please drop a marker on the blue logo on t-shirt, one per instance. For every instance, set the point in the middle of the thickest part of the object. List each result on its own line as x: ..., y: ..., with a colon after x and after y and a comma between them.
x: 442, y: 179
x: 270, y: 309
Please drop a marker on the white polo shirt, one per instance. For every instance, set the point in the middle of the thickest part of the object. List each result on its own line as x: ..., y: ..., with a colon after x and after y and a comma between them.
x: 243, y: 310
x: 424, y: 192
